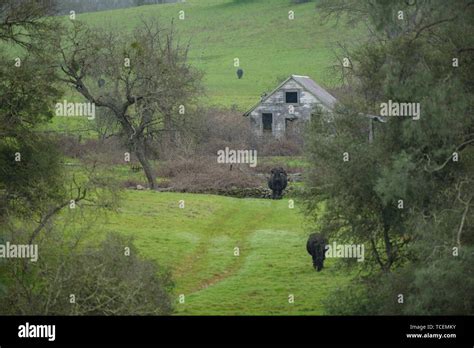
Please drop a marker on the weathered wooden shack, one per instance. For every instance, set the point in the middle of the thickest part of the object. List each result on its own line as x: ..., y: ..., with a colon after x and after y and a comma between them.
x: 288, y: 105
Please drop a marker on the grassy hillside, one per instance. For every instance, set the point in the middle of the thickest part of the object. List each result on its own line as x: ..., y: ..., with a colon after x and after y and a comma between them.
x: 198, y: 243
x: 259, y: 33
x: 270, y: 47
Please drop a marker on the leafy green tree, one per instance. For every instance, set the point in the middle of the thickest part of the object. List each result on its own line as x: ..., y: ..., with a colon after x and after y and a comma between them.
x: 25, y: 23
x: 407, y: 194
x: 30, y: 165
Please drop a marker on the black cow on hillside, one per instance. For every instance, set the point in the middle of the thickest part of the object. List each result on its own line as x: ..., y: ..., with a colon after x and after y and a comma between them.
x: 277, y: 182
x: 317, y: 246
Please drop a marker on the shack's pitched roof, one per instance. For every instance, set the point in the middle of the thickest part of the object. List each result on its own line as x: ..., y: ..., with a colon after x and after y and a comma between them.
x: 319, y: 92
x: 309, y: 85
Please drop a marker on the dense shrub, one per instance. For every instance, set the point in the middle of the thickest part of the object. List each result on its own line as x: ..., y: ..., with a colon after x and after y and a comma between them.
x: 102, y: 279
x: 108, y: 151
x: 444, y: 286
x: 203, y: 174
x: 208, y: 131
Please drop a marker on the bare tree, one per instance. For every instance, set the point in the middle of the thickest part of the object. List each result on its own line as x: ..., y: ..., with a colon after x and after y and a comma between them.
x: 142, y: 78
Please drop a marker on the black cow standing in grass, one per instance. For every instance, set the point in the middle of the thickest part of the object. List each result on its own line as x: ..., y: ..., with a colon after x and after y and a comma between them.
x: 317, y: 246
x: 277, y: 182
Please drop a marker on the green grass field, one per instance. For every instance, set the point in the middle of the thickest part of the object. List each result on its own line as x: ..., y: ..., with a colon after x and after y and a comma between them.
x: 197, y: 243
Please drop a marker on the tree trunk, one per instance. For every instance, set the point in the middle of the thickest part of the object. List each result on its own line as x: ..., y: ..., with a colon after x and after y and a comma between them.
x: 147, y: 168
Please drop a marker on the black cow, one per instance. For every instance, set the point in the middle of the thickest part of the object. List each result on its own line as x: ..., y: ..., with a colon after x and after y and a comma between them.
x: 317, y: 246
x: 277, y: 182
